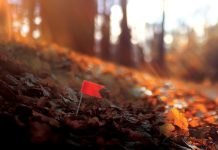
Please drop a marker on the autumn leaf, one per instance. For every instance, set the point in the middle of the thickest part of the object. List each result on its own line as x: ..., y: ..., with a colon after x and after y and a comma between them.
x: 210, y: 119
x: 200, y: 107
x: 194, y: 122
x: 167, y: 129
x: 40, y: 109
x: 177, y: 118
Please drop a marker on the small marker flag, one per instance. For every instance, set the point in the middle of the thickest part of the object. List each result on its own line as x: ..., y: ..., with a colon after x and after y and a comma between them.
x: 91, y: 89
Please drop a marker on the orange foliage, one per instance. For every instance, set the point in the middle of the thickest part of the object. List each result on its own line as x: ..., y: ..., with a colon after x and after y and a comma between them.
x: 194, y: 122
x: 167, y: 129
x: 177, y: 118
x: 210, y: 119
x: 201, y: 108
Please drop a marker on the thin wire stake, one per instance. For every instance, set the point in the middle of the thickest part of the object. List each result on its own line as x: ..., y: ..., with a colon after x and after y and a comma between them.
x: 80, y: 100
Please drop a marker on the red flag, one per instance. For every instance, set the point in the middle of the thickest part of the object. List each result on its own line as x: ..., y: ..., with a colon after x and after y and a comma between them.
x: 91, y: 89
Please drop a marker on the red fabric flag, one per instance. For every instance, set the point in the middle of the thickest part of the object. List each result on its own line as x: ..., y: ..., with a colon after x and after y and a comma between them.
x: 91, y: 89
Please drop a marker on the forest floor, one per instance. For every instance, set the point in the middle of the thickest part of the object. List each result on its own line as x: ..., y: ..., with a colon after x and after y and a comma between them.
x: 39, y: 96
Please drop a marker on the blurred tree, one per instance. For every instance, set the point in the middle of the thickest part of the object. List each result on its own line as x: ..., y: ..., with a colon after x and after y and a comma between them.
x: 211, y: 53
x: 29, y: 10
x: 161, y: 45
x: 141, y: 55
x: 83, y: 25
x: 158, y: 45
x: 154, y: 43
x: 124, y: 50
x: 69, y: 23
x: 193, y: 43
x: 5, y: 21
x: 105, y: 42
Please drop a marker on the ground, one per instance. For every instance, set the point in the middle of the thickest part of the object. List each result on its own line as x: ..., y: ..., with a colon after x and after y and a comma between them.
x: 39, y: 95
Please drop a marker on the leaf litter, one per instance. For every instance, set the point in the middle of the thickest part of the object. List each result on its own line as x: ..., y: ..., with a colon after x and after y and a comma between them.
x: 38, y: 105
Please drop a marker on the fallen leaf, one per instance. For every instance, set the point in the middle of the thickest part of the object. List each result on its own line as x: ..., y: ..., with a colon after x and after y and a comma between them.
x: 167, y: 129
x: 177, y: 118
x: 210, y: 119
x: 194, y: 122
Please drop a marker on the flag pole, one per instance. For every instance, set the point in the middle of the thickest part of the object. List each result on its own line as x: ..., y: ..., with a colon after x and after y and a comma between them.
x: 80, y: 100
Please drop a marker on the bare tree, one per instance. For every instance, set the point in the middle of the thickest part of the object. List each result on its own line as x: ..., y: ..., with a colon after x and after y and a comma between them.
x: 124, y: 51
x: 105, y: 42
x: 161, y: 45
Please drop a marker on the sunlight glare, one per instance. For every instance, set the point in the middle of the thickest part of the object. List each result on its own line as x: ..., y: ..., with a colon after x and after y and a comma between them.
x: 38, y: 20
x: 24, y: 30
x: 98, y: 25
x: 168, y: 39
x: 98, y: 35
x: 36, y: 34
x: 16, y: 25
x: 116, y: 16
x: 139, y: 13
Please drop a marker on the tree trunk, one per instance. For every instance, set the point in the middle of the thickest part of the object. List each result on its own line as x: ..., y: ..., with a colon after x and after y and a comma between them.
x: 5, y: 21
x: 105, y: 42
x: 124, y: 51
x: 70, y: 23
x: 55, y: 23
x: 161, y: 45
